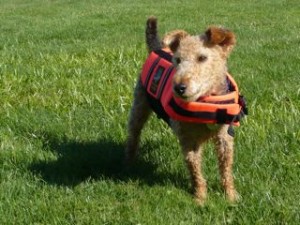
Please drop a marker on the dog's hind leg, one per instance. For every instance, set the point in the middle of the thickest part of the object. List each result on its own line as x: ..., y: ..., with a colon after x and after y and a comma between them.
x: 140, y: 112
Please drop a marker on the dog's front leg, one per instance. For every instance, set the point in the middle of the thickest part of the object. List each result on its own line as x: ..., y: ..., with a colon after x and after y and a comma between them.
x: 193, y: 159
x: 225, y: 150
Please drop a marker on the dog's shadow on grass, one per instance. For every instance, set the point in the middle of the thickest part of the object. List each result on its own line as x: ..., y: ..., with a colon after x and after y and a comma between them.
x: 76, y: 162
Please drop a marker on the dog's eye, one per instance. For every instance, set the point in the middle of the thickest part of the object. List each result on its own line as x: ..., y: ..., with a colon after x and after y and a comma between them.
x: 202, y: 58
x: 176, y: 60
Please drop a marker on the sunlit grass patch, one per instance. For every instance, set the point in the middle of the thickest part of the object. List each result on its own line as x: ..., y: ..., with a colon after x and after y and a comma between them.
x: 67, y: 72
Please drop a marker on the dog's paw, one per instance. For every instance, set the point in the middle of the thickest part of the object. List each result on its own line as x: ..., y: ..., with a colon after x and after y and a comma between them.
x: 200, y: 201
x: 200, y: 197
x: 233, y: 197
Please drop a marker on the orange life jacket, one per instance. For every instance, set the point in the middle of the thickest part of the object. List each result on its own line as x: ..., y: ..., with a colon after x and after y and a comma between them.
x: 156, y: 77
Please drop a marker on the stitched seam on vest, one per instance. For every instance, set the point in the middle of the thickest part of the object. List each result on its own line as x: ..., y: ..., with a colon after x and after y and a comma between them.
x: 163, y: 84
x: 151, y: 71
x: 230, y: 101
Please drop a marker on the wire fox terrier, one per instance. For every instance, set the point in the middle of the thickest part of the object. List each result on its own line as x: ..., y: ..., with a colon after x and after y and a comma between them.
x: 201, y: 101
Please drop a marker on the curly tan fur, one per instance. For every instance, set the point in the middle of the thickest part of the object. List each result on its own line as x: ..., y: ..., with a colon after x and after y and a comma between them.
x: 200, y: 62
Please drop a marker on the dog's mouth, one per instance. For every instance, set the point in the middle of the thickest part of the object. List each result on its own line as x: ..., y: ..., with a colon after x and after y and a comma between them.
x: 190, y: 97
x: 192, y: 91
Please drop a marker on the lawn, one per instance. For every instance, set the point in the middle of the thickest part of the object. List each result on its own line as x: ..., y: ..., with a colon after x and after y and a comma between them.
x: 67, y: 72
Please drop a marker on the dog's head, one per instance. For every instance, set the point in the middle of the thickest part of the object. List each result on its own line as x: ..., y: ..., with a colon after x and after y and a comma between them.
x: 200, y: 61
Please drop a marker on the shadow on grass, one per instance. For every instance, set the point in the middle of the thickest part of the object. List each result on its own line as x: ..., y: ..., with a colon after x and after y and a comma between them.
x: 80, y: 161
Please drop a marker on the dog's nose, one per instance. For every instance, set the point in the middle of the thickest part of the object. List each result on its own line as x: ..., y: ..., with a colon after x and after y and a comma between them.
x: 180, y: 89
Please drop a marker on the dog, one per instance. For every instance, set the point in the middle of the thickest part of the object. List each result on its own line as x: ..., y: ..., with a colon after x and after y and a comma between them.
x: 199, y: 70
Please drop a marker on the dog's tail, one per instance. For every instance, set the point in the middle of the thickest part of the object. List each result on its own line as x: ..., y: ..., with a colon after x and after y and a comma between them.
x: 152, y: 38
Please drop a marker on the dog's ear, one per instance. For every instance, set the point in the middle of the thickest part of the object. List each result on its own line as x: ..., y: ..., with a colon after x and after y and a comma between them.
x: 220, y: 36
x: 172, y: 39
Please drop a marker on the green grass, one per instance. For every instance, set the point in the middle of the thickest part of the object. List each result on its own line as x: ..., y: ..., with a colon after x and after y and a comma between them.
x: 67, y: 71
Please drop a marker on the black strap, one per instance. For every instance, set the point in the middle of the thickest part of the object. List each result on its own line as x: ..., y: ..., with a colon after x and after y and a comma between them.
x: 221, y: 115
x: 163, y: 54
x: 243, y: 104
x: 158, y: 109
